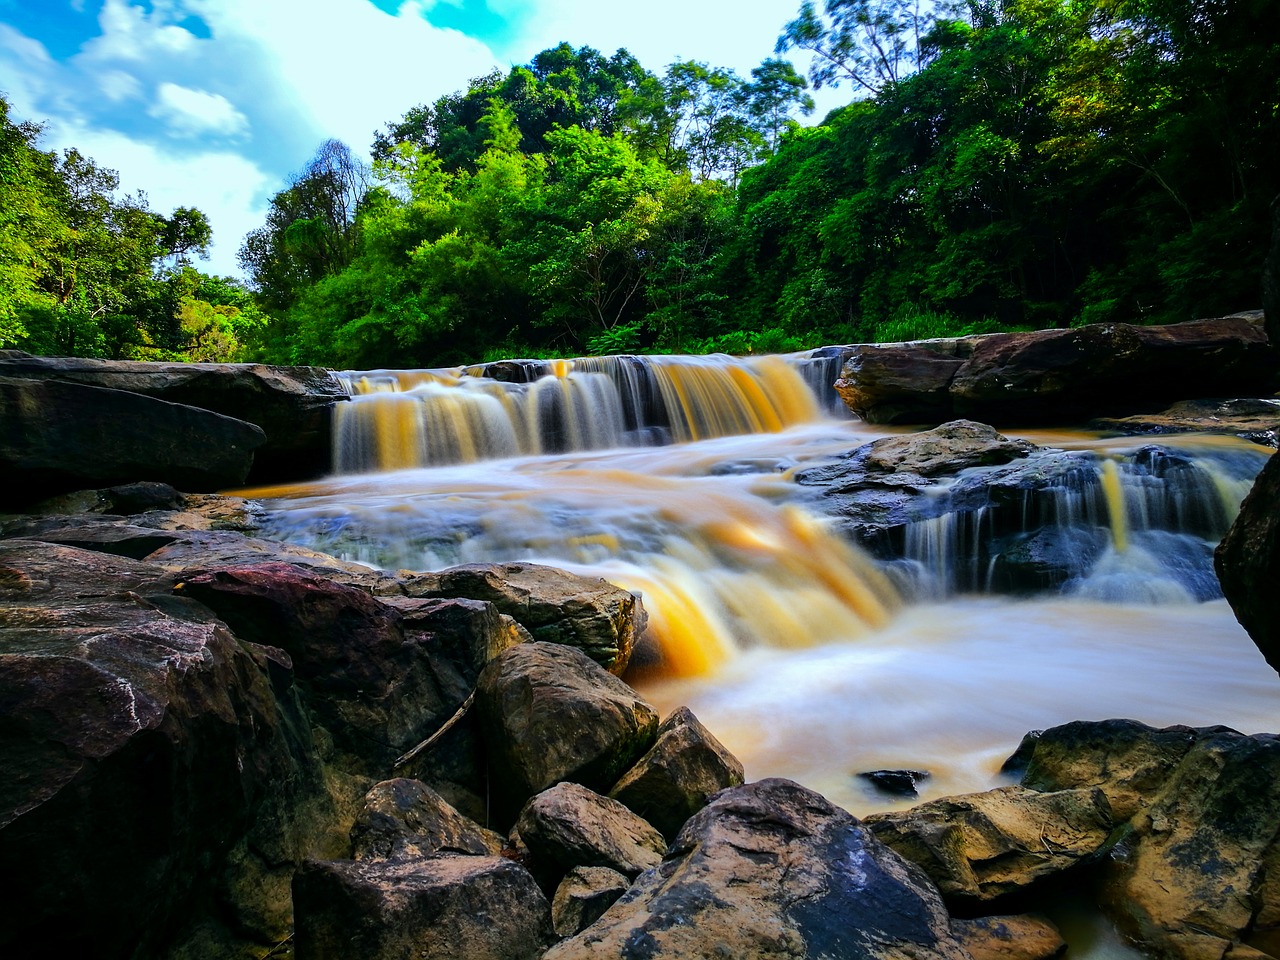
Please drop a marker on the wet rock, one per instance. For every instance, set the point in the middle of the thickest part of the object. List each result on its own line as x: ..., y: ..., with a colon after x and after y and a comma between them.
x: 291, y: 405
x: 1022, y: 937
x: 440, y: 908
x: 1190, y: 880
x: 551, y: 714
x: 1057, y: 376
x: 947, y: 449
x: 1045, y: 559
x: 583, y: 896
x: 1129, y: 761
x: 57, y: 436
x: 981, y: 847
x: 555, y: 606
x: 674, y: 780
x: 1254, y: 420
x: 771, y: 869
x: 570, y: 826
x: 1248, y: 563
x: 159, y: 777
x: 405, y: 818
x: 899, y: 783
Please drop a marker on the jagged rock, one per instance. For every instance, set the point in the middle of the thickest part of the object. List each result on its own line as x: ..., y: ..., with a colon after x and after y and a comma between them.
x: 947, y: 449
x: 674, y: 780
x: 159, y: 776
x: 984, y: 846
x: 1057, y: 376
x: 771, y: 869
x: 1022, y: 937
x: 583, y: 896
x: 1191, y: 880
x: 379, y: 678
x: 440, y: 908
x: 899, y: 783
x: 1254, y: 420
x: 570, y: 826
x: 1248, y: 563
x: 405, y: 818
x: 554, y: 605
x: 57, y: 437
x: 290, y: 404
x: 1129, y: 761
x: 551, y: 714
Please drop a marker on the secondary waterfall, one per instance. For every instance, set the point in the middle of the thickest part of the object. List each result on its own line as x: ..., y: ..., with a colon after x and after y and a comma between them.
x: 675, y: 477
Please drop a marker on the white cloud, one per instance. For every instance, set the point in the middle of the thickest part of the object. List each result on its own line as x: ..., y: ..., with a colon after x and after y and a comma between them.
x: 193, y: 113
x: 116, y: 85
x: 130, y: 34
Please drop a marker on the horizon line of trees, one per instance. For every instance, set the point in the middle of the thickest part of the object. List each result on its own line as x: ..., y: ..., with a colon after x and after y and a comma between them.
x: 1005, y: 164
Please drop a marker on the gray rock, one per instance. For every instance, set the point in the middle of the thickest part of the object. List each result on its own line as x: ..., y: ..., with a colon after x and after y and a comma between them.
x: 583, y: 896
x: 405, y: 818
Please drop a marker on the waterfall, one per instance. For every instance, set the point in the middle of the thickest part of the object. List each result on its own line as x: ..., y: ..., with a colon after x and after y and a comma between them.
x: 401, y: 419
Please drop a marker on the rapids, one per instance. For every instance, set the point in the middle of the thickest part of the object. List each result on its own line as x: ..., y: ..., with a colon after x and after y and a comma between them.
x: 807, y: 657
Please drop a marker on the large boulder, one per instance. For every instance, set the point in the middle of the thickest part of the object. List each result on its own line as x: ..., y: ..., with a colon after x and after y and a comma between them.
x: 438, y: 908
x: 583, y: 896
x: 685, y: 768
x: 1248, y: 563
x: 1057, y: 376
x: 772, y: 869
x: 403, y: 818
x: 554, y: 605
x: 57, y: 436
x: 983, y: 847
x: 159, y: 779
x: 292, y: 405
x: 569, y: 826
x: 551, y: 714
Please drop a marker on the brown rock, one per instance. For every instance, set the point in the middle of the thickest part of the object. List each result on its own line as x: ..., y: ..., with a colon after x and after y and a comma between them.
x: 1248, y: 563
x: 551, y: 714
x: 983, y: 846
x: 676, y: 778
x: 1254, y: 420
x: 771, y: 869
x: 570, y: 826
x: 949, y: 448
x: 441, y: 908
x: 902, y: 382
x: 1024, y: 937
x: 405, y: 818
x: 583, y: 896
x: 58, y: 436
x: 555, y: 606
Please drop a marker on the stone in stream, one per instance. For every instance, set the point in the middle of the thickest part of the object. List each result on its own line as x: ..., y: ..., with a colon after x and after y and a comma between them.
x: 771, y: 869
x: 674, y: 780
x: 899, y: 783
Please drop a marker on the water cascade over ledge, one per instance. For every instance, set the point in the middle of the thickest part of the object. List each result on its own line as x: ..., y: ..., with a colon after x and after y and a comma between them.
x: 676, y: 478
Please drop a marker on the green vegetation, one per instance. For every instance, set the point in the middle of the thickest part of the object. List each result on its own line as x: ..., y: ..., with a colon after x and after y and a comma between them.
x: 1007, y: 164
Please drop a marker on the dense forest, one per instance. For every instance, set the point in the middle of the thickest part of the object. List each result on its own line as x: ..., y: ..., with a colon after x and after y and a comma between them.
x: 1002, y: 164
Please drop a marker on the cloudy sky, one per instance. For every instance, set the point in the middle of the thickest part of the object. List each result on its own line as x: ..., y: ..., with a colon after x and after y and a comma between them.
x: 213, y: 103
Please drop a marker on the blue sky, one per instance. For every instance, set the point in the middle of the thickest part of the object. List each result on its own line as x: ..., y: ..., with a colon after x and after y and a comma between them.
x: 213, y: 103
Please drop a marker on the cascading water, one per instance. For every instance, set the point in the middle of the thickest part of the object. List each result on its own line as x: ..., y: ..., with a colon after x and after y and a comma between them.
x: 674, y: 477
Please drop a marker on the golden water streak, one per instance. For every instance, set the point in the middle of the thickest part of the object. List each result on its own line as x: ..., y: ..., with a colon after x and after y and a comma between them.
x: 1113, y: 488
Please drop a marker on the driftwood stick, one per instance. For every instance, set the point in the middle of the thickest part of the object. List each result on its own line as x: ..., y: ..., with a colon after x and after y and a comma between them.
x: 278, y: 948
x: 448, y: 725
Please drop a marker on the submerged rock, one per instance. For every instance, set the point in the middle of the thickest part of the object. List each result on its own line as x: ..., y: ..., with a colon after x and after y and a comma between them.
x: 771, y: 869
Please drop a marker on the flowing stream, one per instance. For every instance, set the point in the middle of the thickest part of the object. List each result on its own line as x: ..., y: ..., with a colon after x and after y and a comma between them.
x: 809, y: 659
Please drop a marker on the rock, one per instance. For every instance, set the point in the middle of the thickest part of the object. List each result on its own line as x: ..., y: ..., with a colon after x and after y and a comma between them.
x: 1057, y: 376
x: 292, y: 405
x: 899, y: 783
x: 379, y: 678
x: 159, y: 779
x: 1190, y: 880
x: 405, y: 818
x: 981, y: 847
x: 1248, y: 563
x: 947, y: 449
x: 1254, y: 420
x: 674, y: 780
x: 569, y: 826
x: 771, y: 869
x: 554, y: 605
x: 1129, y: 761
x: 1024, y: 937
x: 583, y: 896
x: 57, y: 436
x: 551, y: 714
x: 440, y: 908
